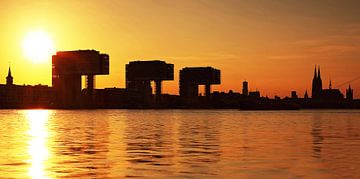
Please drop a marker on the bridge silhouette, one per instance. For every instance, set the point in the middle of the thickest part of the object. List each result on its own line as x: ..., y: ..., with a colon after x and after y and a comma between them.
x: 347, y: 82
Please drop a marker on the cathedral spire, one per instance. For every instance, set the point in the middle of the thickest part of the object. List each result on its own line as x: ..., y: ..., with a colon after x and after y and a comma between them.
x: 316, y: 83
x: 306, y: 96
x: 315, y: 76
x: 349, y: 93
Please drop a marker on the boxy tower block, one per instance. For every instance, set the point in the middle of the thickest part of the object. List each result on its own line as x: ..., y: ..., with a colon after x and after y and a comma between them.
x: 139, y: 74
x: 191, y: 78
x: 67, y: 69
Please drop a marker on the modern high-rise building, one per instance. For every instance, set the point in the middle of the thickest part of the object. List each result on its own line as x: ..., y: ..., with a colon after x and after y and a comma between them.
x: 192, y: 77
x: 245, y: 89
x: 316, y: 84
x: 294, y: 95
x: 67, y: 69
x: 139, y: 75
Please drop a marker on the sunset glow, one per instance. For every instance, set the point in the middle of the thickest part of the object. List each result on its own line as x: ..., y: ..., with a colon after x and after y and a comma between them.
x: 179, y: 89
x: 273, y: 45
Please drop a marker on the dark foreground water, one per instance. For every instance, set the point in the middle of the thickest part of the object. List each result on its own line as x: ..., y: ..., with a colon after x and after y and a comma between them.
x: 179, y: 144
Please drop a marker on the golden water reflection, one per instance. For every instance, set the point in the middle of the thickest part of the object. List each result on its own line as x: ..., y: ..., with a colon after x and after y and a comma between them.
x: 179, y: 144
x: 37, y: 148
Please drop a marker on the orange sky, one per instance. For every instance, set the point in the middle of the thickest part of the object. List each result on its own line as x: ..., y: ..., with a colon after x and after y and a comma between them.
x: 272, y: 44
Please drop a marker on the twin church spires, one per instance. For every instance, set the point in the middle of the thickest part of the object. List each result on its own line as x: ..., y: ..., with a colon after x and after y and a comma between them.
x: 317, y: 84
x: 319, y: 93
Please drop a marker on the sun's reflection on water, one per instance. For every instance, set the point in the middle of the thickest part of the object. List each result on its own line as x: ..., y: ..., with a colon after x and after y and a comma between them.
x: 37, y: 148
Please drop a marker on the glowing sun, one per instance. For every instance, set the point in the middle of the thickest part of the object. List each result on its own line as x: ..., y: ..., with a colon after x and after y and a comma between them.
x: 38, y: 47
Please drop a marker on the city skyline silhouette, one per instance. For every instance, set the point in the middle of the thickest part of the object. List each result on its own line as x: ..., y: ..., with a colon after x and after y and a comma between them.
x: 179, y: 89
x: 69, y: 67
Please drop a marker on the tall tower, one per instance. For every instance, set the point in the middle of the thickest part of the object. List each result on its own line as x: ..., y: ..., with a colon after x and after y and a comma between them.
x: 306, y: 96
x: 349, y: 93
x: 9, y: 78
x: 245, y: 89
x: 319, y: 81
x: 314, y: 84
x: 317, y: 84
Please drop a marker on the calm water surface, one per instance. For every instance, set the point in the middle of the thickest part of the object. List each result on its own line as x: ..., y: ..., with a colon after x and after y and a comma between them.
x: 179, y: 144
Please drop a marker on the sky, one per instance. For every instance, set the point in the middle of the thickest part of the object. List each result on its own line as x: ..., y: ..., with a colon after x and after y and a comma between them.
x: 274, y: 45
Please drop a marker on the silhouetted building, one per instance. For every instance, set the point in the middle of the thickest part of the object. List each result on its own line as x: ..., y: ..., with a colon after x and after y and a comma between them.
x: 317, y: 85
x: 306, y: 96
x: 67, y: 69
x: 9, y: 78
x: 192, y: 77
x: 294, y: 95
x: 245, y: 89
x: 331, y: 94
x: 69, y: 66
x: 139, y: 75
x: 24, y: 96
x: 254, y: 94
x: 325, y: 95
x: 349, y: 93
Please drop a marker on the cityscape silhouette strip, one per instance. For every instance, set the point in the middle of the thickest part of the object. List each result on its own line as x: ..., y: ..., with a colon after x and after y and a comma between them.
x: 66, y: 92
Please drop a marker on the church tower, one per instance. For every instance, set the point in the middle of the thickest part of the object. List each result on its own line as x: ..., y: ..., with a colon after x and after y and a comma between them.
x: 9, y: 78
x: 306, y: 96
x: 317, y: 84
x: 349, y: 93
x: 319, y: 81
x: 313, y: 91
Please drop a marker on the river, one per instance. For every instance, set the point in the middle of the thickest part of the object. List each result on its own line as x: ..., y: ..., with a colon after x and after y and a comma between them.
x: 179, y: 144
